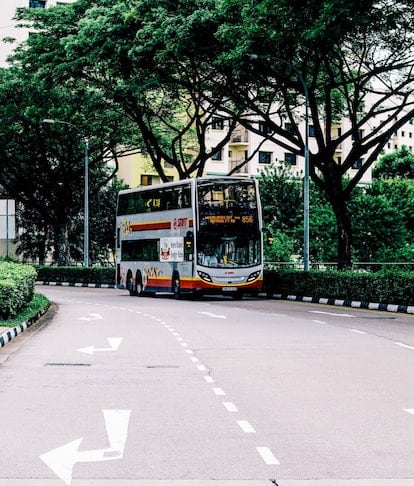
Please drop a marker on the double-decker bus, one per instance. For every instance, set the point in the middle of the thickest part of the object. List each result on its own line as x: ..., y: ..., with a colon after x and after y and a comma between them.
x: 199, y: 236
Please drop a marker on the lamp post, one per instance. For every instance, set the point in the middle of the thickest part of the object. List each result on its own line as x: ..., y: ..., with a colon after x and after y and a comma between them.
x: 86, y: 187
x: 306, y: 171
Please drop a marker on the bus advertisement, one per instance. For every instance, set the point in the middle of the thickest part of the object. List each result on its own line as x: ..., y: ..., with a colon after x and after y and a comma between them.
x: 196, y: 236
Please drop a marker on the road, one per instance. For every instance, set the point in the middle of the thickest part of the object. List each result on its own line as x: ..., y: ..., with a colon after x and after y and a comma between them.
x: 113, y: 390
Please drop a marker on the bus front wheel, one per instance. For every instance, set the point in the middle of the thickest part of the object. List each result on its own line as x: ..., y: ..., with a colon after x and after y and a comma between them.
x: 176, y: 287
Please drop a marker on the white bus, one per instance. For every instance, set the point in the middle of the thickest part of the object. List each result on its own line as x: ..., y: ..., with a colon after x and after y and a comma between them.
x: 196, y: 236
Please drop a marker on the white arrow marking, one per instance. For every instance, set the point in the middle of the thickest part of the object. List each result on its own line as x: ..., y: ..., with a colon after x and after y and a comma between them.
x: 114, y: 343
x: 63, y: 459
x: 217, y: 316
x: 93, y: 317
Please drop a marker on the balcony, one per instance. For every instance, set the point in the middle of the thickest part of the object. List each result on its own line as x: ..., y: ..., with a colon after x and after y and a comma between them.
x: 240, y: 136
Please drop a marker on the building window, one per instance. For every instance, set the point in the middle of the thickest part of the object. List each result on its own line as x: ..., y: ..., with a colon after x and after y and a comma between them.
x: 290, y: 158
x: 146, y: 180
x: 218, y: 155
x: 290, y: 128
x: 265, y: 157
x: 311, y: 131
x: 217, y: 123
x: 357, y: 165
x: 264, y: 128
x: 37, y: 3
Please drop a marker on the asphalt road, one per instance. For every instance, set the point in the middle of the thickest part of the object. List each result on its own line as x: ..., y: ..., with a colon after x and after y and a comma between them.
x: 118, y: 391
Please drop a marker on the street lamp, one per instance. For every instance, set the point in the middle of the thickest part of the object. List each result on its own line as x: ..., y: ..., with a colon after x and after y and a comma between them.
x: 86, y: 187
x: 306, y: 172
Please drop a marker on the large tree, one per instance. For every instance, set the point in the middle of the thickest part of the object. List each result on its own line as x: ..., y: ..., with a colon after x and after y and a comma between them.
x: 42, y: 166
x: 345, y: 60
x: 140, y: 55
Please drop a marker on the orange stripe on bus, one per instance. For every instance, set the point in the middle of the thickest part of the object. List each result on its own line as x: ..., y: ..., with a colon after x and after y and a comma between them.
x: 154, y: 225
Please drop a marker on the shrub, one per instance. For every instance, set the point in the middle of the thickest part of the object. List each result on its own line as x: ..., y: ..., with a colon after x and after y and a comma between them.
x: 16, y: 287
x: 72, y: 275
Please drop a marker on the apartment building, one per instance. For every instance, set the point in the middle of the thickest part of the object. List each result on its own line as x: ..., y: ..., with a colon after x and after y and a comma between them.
x: 8, y: 27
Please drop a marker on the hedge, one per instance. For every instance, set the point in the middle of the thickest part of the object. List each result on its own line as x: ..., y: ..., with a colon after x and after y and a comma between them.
x: 17, y: 283
x: 72, y: 275
x: 386, y: 286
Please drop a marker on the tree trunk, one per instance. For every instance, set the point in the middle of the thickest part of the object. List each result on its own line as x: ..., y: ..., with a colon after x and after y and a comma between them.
x: 62, y: 254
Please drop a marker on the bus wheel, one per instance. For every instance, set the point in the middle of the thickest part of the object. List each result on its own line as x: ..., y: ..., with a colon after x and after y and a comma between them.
x: 176, y: 288
x: 140, y: 288
x: 130, y: 284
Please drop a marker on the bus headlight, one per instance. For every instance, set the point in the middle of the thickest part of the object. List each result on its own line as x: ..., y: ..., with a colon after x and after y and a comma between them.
x: 253, y: 276
x: 204, y: 276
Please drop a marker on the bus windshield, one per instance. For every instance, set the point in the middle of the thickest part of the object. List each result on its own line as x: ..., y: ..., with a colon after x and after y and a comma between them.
x: 228, y: 225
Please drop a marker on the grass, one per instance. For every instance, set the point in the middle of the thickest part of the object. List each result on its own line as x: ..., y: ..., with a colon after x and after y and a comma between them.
x: 38, y: 304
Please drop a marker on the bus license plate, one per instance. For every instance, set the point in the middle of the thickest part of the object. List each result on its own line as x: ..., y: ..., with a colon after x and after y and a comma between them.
x: 229, y: 289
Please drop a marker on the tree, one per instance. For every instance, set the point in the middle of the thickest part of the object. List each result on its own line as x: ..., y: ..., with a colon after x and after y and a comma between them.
x: 397, y: 165
x: 352, y: 60
x: 42, y: 166
x: 139, y: 56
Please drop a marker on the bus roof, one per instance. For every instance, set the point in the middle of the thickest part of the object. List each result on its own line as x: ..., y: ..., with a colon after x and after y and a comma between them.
x: 190, y: 180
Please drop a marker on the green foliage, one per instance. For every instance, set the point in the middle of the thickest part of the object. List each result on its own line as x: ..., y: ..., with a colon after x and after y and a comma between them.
x: 16, y: 287
x: 72, y: 275
x: 37, y: 306
x: 390, y: 287
x: 397, y: 165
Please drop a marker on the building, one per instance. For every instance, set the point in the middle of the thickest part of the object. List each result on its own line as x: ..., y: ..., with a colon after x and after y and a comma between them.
x: 8, y: 27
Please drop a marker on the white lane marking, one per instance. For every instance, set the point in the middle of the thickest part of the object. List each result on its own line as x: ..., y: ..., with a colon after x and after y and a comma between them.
x: 184, y: 345
x: 405, y: 346
x: 194, y: 359
x: 188, y: 351
x: 209, y: 379
x: 332, y: 314
x: 267, y: 455
x: 93, y: 317
x: 218, y: 391
x: 230, y: 407
x: 201, y: 368
x: 246, y: 427
x: 318, y: 322
x: 357, y: 331
x: 63, y: 459
x: 409, y: 410
x: 217, y: 316
x: 114, y: 343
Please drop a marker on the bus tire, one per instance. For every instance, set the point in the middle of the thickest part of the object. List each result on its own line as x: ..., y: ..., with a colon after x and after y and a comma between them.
x: 130, y: 284
x: 175, y: 285
x: 139, y: 287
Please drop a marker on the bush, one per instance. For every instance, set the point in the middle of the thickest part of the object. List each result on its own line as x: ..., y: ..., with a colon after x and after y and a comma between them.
x: 386, y: 286
x: 72, y: 275
x: 17, y: 283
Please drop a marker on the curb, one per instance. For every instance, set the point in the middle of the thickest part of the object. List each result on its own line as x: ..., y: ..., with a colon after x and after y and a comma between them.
x: 346, y: 303
x: 13, y: 332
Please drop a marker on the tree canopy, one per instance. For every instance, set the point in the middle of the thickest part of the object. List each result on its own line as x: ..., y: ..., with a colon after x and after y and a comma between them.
x: 171, y: 66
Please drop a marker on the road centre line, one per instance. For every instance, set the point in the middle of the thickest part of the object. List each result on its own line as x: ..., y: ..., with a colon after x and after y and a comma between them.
x: 409, y: 410
x: 267, y: 455
x: 319, y: 322
x: 218, y: 391
x: 201, y: 368
x: 246, y: 427
x: 230, y: 407
x: 194, y: 359
x: 209, y: 379
x: 356, y: 330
